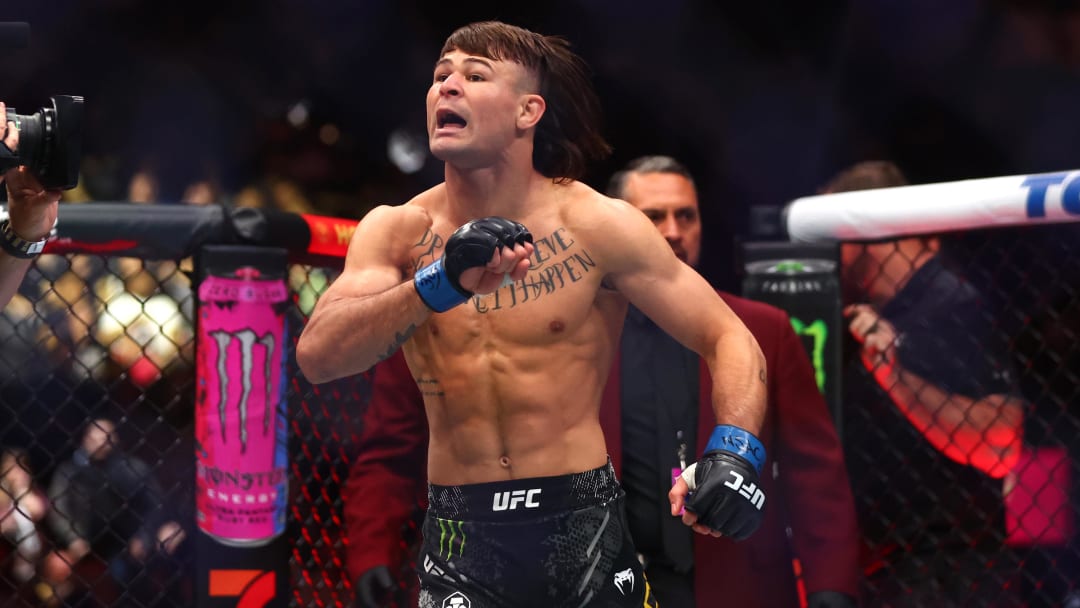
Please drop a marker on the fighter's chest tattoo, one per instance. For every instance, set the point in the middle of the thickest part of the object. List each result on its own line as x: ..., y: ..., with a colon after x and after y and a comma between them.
x: 558, y: 262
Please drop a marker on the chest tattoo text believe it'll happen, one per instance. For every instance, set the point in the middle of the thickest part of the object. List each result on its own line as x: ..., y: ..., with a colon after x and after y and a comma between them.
x: 554, y: 265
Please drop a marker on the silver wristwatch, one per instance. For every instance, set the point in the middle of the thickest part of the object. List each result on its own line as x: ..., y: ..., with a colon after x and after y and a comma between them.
x: 16, y: 246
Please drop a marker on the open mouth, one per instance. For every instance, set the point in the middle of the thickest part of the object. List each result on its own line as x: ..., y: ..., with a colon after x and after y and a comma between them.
x: 446, y: 118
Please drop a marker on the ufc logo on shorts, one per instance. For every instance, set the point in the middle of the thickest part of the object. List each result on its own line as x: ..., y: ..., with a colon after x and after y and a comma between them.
x: 750, y: 491
x: 508, y: 501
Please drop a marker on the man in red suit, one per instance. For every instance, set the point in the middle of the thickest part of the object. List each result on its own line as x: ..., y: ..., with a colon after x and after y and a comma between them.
x: 805, y: 478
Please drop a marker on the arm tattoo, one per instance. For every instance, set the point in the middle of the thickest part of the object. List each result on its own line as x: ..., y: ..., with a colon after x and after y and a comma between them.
x: 399, y: 338
x: 429, y: 387
x: 429, y: 247
x: 761, y: 376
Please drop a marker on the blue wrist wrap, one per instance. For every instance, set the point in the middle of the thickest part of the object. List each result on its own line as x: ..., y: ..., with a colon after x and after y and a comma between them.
x: 435, y: 289
x: 737, y: 441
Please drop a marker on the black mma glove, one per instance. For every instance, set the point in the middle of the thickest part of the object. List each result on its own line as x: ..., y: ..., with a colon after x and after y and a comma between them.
x: 373, y: 587
x: 726, y: 495
x: 471, y: 245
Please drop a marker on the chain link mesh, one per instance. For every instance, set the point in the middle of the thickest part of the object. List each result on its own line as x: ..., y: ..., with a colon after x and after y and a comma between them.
x: 111, y: 339
x: 326, y: 421
x: 96, y: 391
x: 961, y: 428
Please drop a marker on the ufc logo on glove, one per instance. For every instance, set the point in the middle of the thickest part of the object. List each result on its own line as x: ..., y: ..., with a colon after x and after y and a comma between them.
x: 723, y: 484
x: 749, y: 490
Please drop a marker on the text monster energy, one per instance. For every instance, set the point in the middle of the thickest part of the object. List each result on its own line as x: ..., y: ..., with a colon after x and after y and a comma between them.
x: 243, y: 480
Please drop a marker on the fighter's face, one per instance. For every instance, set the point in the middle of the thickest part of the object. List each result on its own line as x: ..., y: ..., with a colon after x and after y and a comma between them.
x: 474, y: 107
x: 670, y: 201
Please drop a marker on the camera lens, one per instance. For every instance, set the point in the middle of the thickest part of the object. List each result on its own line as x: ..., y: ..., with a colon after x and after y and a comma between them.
x: 50, y: 142
x: 33, y: 137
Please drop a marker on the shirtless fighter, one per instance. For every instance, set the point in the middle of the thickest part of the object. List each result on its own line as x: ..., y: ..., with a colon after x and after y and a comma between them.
x: 507, y: 286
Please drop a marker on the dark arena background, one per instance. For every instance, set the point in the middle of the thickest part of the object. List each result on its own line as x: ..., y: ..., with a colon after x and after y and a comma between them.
x: 274, y: 126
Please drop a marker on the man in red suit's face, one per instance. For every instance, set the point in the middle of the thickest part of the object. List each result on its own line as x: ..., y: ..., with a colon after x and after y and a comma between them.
x: 670, y: 200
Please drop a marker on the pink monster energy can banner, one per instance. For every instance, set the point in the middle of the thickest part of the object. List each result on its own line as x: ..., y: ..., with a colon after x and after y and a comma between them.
x: 240, y: 428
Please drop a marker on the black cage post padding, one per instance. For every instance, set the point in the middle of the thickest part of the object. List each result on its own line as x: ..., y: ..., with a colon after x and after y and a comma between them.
x: 803, y: 280
x: 147, y: 231
x: 241, y: 439
x: 176, y: 231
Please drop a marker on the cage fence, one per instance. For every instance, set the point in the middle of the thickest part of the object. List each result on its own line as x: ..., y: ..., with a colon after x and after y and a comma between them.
x: 961, y: 436
x: 111, y: 339
x: 97, y: 384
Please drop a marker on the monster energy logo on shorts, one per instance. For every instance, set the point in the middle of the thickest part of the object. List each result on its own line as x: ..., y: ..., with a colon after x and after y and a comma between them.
x: 818, y: 331
x: 450, y: 531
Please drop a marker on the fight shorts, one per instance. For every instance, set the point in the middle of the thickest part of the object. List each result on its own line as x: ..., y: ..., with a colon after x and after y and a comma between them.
x: 543, y: 542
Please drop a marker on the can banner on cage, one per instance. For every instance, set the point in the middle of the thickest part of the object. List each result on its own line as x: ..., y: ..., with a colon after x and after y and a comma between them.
x: 808, y: 289
x: 240, y: 428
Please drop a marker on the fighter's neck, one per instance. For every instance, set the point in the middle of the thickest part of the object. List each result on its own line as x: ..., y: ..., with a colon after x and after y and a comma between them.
x: 504, y: 190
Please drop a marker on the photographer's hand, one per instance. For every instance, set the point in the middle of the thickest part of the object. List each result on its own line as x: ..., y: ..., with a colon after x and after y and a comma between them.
x: 31, y: 208
x: 9, y: 134
x: 31, y: 211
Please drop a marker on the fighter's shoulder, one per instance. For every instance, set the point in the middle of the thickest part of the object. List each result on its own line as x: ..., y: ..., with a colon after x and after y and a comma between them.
x: 591, y: 209
x: 416, y: 212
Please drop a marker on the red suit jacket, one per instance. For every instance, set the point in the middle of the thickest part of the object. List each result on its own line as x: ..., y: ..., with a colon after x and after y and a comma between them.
x: 387, y: 482
x: 810, y: 492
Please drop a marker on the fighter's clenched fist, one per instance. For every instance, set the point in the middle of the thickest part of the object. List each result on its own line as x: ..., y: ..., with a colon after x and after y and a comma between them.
x: 725, y: 497
x: 477, y: 259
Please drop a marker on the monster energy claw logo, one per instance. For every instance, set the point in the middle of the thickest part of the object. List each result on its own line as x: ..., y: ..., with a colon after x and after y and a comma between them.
x: 791, y: 267
x: 247, y: 339
x: 819, y: 333
x: 450, y: 531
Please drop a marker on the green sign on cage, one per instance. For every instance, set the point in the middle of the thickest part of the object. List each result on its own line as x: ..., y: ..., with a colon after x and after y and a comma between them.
x: 818, y: 331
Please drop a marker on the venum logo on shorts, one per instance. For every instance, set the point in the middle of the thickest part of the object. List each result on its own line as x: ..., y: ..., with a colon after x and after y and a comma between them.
x: 624, y: 581
x: 749, y: 491
x: 457, y: 599
x: 508, y: 501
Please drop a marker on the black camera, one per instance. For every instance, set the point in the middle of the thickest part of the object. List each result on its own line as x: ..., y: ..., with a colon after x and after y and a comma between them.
x: 50, y: 142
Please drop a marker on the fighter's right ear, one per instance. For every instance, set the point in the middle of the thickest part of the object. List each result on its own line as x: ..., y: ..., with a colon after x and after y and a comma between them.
x: 532, y: 110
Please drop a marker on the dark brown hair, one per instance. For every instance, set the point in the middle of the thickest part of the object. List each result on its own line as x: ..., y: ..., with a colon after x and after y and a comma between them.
x: 866, y: 175
x: 568, y: 135
x: 646, y: 164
